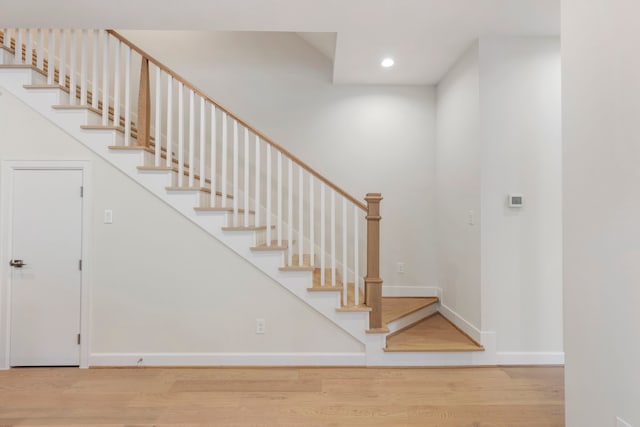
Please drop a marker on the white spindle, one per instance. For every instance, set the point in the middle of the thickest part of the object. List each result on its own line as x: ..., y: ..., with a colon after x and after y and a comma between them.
x: 62, y: 58
x: 51, y: 66
x: 290, y: 212
x: 333, y: 238
x: 180, y: 134
x: 268, y: 195
x: 300, y: 216
x: 279, y: 222
x: 312, y: 224
x: 323, y: 235
x: 29, y: 56
x: 169, y: 121
x: 73, y: 43
x: 116, y: 84
x: 18, y: 47
x: 83, y: 67
x: 127, y: 95
x: 258, y: 187
x: 40, y: 49
x: 345, y: 271
x: 158, y: 123
x: 105, y: 79
x: 214, y: 155
x: 246, y: 177
x: 192, y: 138
x: 223, y: 160
x: 6, y: 38
x: 203, y: 157
x: 356, y: 260
x: 94, y: 70
x: 235, y: 172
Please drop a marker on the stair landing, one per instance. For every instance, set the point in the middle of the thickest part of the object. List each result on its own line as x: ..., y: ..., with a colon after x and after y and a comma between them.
x: 435, y: 333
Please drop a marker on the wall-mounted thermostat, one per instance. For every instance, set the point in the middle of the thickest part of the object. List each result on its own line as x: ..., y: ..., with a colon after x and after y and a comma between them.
x: 516, y: 200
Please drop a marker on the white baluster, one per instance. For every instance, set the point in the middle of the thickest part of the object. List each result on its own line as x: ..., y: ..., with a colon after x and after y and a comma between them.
x: 180, y: 134
x: 62, y: 58
x: 29, y: 56
x: 300, y: 216
x: 127, y: 95
x: 94, y: 70
x: 268, y: 187
x: 214, y: 155
x: 83, y: 67
x: 203, y: 157
x: 105, y: 79
x: 192, y: 138
x: 323, y: 235
x: 116, y: 84
x: 312, y: 224
x: 258, y: 187
x: 290, y: 213
x: 279, y: 222
x: 246, y: 177
x: 73, y: 94
x: 235, y: 172
x: 169, y: 163
x: 40, y: 50
x: 158, y: 123
x: 334, y: 267
x: 356, y: 260
x: 18, y: 47
x: 345, y: 271
x: 6, y: 38
x: 51, y: 66
x: 223, y: 160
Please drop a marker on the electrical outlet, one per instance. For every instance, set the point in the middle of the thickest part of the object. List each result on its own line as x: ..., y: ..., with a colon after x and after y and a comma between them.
x: 400, y: 268
x: 261, y: 326
x: 108, y: 216
x: 471, y: 217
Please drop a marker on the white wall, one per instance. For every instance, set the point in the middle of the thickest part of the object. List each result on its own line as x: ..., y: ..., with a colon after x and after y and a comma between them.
x: 521, y: 153
x: 498, y: 131
x: 363, y: 138
x: 458, y: 187
x: 159, y: 284
x: 601, y: 130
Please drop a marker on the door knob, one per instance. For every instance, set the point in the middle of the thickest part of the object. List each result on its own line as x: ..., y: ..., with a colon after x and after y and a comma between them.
x: 18, y: 263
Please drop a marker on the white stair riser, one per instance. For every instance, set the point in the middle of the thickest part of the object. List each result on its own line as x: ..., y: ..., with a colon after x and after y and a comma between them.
x: 412, y: 318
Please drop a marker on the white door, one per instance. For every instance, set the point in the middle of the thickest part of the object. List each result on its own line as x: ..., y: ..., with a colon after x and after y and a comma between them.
x: 46, y: 249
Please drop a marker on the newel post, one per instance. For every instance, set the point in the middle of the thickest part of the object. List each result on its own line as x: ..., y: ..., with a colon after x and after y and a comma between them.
x: 372, y: 281
x: 144, y: 105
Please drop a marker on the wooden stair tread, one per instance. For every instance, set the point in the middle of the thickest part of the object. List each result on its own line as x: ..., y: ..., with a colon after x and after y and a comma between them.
x: 130, y: 148
x: 394, y: 308
x: 203, y: 189
x: 248, y: 228
x: 219, y: 209
x: 325, y: 289
x: 435, y: 333
x: 273, y: 247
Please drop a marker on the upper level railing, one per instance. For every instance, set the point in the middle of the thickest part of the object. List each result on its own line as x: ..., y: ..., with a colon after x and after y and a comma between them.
x: 264, y: 186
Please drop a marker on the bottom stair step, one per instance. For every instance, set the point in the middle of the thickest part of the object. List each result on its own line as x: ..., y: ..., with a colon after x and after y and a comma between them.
x: 435, y: 333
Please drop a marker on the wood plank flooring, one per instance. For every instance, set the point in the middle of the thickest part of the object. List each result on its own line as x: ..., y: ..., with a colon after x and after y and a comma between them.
x: 435, y: 333
x: 435, y: 397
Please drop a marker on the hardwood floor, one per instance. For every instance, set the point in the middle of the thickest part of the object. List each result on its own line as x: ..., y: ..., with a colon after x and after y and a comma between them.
x: 433, y: 397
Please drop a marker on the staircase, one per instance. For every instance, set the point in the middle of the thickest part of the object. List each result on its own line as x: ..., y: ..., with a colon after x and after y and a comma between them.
x: 245, y: 190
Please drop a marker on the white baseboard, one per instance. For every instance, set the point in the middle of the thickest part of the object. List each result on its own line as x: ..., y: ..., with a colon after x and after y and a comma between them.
x: 227, y: 359
x: 461, y: 322
x: 530, y: 358
x: 410, y: 291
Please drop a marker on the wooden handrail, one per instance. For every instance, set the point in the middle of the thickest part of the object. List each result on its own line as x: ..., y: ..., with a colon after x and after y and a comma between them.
x: 262, y: 136
x: 372, y: 281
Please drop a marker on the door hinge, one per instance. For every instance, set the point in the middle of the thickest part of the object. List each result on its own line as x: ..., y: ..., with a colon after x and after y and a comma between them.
x: 78, y: 338
x: 80, y: 264
x: 81, y: 191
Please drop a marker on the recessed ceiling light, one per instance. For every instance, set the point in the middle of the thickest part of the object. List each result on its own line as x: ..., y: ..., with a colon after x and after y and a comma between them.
x: 387, y: 62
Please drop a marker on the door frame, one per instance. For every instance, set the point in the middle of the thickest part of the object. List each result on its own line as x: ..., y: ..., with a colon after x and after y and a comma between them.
x: 7, y: 170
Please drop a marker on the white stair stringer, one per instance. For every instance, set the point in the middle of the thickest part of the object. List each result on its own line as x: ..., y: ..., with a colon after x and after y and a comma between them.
x: 184, y: 201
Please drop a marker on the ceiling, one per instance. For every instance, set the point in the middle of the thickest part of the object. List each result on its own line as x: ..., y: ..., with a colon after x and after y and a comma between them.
x: 424, y: 37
